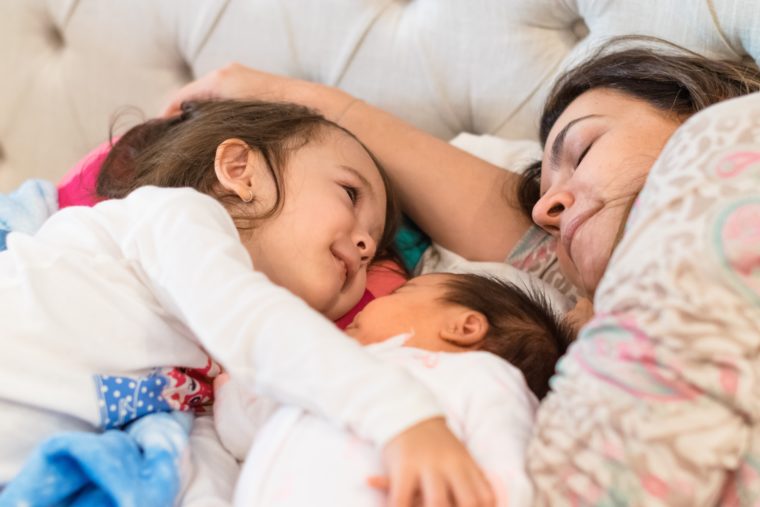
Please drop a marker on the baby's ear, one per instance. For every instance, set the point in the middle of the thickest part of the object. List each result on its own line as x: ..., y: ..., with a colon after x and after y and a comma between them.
x: 465, y: 327
x: 234, y: 166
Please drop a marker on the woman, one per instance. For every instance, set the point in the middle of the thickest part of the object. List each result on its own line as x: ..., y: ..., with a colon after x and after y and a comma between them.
x: 656, y: 402
x: 604, y: 126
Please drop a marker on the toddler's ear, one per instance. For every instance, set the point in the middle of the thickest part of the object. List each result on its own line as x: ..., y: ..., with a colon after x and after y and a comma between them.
x: 234, y: 166
x: 465, y: 328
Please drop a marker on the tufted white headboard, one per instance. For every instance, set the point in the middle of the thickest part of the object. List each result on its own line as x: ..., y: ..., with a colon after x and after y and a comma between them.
x: 447, y: 66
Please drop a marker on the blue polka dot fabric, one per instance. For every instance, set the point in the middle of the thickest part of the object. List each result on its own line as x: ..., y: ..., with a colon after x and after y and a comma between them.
x: 124, y: 399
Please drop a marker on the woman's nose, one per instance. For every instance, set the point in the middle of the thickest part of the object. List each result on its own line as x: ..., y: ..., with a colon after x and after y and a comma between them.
x: 547, y: 212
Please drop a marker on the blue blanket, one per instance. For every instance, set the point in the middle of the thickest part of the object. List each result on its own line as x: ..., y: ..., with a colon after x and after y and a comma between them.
x: 27, y: 208
x: 131, y: 468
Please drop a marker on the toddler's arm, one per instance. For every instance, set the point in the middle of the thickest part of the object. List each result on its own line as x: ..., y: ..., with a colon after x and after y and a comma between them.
x: 265, y: 337
x: 273, y: 343
x: 497, y: 428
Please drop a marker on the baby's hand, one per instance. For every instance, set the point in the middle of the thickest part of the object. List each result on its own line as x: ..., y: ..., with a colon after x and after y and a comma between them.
x: 580, y: 315
x: 429, y: 462
x: 229, y: 416
x: 220, y: 380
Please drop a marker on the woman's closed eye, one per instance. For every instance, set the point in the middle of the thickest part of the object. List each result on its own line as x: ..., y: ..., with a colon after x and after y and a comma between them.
x: 583, y: 154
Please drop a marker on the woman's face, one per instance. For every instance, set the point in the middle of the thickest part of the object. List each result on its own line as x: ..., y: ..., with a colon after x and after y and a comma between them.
x: 595, y: 161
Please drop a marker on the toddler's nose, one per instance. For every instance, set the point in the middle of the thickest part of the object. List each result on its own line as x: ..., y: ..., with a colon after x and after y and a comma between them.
x: 366, y: 246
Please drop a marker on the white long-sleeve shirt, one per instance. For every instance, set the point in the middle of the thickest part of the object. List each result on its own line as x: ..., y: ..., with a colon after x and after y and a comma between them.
x: 295, y: 458
x: 152, y: 280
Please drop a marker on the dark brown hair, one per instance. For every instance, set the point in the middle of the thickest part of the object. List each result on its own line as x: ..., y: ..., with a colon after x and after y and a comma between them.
x: 670, y: 78
x: 523, y: 328
x: 180, y: 152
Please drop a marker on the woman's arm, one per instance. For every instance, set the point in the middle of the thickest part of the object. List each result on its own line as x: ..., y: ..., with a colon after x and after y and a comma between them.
x: 464, y: 203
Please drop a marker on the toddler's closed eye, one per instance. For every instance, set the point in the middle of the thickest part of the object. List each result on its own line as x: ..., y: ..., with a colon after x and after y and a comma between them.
x: 353, y: 193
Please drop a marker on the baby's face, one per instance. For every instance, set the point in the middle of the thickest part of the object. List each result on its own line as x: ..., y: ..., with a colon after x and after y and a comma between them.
x: 416, y: 307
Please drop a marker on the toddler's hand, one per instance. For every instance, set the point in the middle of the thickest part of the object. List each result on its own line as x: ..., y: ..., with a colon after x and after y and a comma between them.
x: 428, y: 461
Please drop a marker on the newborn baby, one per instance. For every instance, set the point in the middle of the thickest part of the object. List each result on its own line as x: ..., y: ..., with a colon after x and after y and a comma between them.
x: 484, y: 347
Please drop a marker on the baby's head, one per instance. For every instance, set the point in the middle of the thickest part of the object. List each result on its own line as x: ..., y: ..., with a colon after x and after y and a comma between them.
x: 311, y: 203
x: 464, y: 312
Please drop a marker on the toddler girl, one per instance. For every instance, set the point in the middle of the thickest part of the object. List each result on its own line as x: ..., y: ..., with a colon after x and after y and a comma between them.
x: 238, y: 227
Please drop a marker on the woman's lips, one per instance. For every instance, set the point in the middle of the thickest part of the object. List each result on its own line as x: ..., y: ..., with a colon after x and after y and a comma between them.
x: 567, y: 232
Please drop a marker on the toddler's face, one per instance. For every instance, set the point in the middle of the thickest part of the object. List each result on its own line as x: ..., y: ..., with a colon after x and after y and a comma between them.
x: 332, y: 218
x: 416, y: 307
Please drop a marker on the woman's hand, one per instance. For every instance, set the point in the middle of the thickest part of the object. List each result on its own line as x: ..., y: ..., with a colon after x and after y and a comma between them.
x: 236, y: 81
x: 429, y: 466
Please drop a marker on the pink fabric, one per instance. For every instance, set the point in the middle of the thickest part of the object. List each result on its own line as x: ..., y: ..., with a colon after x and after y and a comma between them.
x: 384, y: 277
x: 77, y: 188
x: 344, y: 321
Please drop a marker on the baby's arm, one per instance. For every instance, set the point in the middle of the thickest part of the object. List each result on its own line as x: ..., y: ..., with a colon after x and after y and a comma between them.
x: 497, y: 427
x: 217, y: 443
x: 239, y: 415
x: 213, y: 471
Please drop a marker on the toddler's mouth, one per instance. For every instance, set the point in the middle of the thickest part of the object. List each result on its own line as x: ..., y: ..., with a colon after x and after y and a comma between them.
x: 347, y: 265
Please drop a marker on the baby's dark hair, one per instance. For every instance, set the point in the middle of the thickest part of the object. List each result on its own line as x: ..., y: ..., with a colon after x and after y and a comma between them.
x: 523, y: 328
x: 180, y: 152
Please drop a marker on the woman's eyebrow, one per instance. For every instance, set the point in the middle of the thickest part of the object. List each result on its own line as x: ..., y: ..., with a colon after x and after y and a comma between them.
x: 559, y: 141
